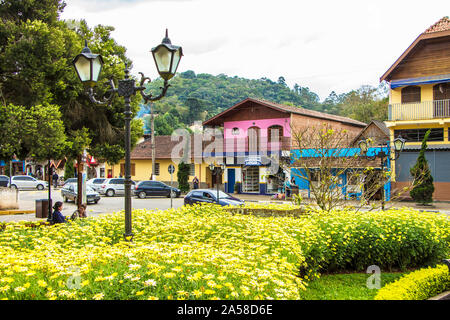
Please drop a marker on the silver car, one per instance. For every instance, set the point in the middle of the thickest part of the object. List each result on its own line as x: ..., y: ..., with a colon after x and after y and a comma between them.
x: 114, y: 186
x: 27, y: 182
x: 95, y: 183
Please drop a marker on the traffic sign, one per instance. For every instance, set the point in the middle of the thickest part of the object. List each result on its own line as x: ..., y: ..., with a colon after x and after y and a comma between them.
x: 171, y: 168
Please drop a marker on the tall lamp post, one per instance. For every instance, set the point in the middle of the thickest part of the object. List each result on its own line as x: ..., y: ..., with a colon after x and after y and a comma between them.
x: 399, y: 143
x: 88, y: 67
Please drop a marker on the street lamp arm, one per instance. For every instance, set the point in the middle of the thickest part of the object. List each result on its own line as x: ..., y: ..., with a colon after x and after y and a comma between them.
x: 149, y: 97
x: 106, y: 100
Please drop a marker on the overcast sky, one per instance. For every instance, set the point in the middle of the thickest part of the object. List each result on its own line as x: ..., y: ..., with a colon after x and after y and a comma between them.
x: 324, y: 45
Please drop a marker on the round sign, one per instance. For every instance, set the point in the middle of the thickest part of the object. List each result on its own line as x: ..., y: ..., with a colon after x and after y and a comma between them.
x: 171, y: 168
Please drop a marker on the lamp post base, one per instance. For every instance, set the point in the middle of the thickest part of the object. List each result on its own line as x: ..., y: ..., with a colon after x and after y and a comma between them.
x: 128, y: 236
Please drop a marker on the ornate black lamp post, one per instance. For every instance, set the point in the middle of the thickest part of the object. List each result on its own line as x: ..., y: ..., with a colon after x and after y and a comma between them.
x: 88, y: 67
x: 399, y: 143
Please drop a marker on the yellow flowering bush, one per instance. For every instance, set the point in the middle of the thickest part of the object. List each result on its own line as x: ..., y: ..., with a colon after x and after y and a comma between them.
x: 206, y: 252
x: 418, y: 285
x: 345, y: 240
x: 188, y: 253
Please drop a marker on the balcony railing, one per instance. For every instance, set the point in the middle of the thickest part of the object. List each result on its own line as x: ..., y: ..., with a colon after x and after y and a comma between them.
x: 419, y: 110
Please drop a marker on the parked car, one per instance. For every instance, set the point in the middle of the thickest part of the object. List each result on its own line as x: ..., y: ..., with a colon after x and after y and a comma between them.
x: 155, y: 188
x: 70, y: 180
x: 95, y: 183
x: 4, y: 181
x: 210, y: 196
x: 114, y: 186
x: 27, y: 182
x: 69, y: 192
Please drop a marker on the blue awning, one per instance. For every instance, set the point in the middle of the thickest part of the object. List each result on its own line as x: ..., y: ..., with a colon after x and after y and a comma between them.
x: 422, y: 80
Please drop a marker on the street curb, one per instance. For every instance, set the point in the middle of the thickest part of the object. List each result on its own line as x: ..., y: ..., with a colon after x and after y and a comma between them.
x: 442, y: 296
x: 14, y: 212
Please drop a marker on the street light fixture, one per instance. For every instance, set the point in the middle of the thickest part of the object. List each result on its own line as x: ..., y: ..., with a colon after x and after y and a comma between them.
x: 88, y: 67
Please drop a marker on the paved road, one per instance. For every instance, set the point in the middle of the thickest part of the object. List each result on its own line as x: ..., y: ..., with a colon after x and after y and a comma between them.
x: 27, y: 201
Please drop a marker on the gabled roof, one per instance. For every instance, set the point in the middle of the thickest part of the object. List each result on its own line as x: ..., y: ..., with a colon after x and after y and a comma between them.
x: 289, y: 110
x: 380, y: 124
x: 440, y: 29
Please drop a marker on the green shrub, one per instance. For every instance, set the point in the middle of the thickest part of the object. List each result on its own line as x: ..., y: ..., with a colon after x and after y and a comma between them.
x: 394, y: 239
x: 183, y: 176
x: 418, y: 285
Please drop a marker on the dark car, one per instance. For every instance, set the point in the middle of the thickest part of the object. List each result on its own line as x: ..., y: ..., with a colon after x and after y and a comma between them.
x: 4, y: 181
x: 210, y: 196
x: 155, y: 188
x: 69, y: 192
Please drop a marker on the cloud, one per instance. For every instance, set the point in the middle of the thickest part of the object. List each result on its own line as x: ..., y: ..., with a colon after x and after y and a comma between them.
x: 107, y: 5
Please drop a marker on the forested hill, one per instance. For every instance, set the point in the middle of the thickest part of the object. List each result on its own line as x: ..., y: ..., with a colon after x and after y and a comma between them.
x: 196, y: 97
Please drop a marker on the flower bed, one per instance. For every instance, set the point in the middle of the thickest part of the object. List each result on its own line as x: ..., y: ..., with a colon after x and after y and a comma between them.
x: 189, y: 253
x: 418, y: 285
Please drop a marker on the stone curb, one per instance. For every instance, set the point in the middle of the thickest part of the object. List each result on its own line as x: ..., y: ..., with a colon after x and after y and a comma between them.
x: 14, y: 212
x: 443, y: 296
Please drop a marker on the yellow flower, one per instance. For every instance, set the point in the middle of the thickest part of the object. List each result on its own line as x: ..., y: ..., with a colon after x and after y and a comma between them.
x: 197, y: 293
x: 139, y: 293
x: 209, y: 291
x: 98, y: 296
x: 42, y: 283
x: 169, y: 275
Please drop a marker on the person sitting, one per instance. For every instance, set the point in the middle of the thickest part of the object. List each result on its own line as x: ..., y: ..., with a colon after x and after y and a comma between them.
x: 79, y: 213
x: 57, y: 216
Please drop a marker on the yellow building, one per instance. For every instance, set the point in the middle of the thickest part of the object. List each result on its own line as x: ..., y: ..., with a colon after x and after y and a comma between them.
x: 419, y: 100
x: 166, y: 153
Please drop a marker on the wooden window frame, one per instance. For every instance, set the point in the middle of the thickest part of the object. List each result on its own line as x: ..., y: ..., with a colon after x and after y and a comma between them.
x: 411, y: 94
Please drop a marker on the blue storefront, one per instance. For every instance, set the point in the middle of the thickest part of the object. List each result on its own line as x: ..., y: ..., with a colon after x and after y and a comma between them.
x: 348, y: 190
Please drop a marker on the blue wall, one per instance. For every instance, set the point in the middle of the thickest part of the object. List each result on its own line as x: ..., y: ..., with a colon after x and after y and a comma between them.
x: 344, y: 152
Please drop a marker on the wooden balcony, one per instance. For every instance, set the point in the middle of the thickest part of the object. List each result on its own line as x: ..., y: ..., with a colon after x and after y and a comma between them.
x: 425, y: 110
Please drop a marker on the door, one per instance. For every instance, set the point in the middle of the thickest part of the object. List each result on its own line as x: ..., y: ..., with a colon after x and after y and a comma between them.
x: 160, y: 189
x: 120, y: 186
x: 231, y: 180
x: 29, y: 182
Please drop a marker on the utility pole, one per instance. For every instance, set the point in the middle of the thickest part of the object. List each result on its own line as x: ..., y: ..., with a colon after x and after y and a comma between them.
x: 79, y: 181
x: 153, y: 141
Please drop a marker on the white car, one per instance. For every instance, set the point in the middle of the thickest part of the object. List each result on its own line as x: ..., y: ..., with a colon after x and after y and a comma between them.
x: 95, y: 183
x: 27, y: 182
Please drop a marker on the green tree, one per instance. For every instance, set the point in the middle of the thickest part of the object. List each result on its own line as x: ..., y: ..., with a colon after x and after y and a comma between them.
x: 365, y: 104
x: 183, y: 176
x: 423, y: 187
x: 21, y: 127
x: 35, y: 69
x: 12, y: 131
x: 69, y: 169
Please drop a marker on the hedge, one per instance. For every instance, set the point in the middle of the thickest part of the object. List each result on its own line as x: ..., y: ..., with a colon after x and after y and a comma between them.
x: 418, y: 285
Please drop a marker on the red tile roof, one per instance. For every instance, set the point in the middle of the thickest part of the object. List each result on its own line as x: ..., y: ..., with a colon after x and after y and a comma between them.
x: 442, y: 25
x: 163, y: 148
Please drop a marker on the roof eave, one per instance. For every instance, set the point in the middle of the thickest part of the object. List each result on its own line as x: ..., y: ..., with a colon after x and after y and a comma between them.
x: 423, y: 36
